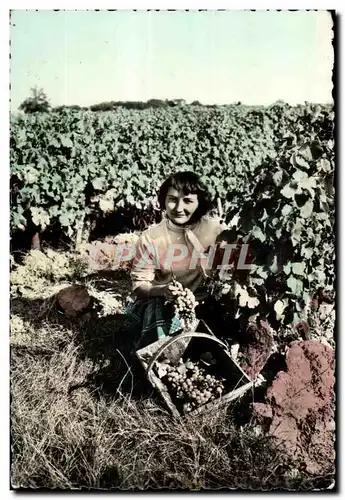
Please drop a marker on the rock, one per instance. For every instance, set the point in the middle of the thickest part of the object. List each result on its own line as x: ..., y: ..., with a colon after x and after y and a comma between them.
x: 300, y: 402
x: 73, y: 300
x: 262, y: 411
x: 255, y: 348
x: 101, y: 255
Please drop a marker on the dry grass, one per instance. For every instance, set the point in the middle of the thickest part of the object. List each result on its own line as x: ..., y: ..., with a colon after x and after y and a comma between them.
x: 82, y: 414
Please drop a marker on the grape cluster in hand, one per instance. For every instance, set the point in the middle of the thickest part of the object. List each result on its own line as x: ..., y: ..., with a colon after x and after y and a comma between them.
x: 184, y: 305
x: 191, y: 384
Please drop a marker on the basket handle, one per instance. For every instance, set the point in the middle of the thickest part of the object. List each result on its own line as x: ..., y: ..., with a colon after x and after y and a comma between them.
x: 179, y: 337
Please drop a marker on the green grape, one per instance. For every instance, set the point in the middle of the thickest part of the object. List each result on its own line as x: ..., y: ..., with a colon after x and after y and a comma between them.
x: 184, y: 306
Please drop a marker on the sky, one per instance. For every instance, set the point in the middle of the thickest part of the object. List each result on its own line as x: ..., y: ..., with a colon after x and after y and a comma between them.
x: 86, y: 57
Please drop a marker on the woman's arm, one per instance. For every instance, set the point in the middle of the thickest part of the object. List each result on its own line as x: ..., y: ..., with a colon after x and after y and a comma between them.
x: 146, y: 290
x: 143, y: 272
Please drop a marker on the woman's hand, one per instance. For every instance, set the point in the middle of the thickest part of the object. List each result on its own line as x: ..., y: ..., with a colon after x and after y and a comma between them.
x: 172, y: 290
x: 146, y: 290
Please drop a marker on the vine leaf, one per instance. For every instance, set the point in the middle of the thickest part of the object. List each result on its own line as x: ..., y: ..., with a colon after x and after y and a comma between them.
x: 298, y: 268
x: 258, y: 234
x: 300, y: 175
x: 66, y: 141
x: 305, y: 152
x: 274, y: 267
x: 295, y: 285
x: 261, y: 272
x: 106, y: 205
x: 307, y: 252
x: 99, y: 183
x: 288, y: 191
x: 307, y: 209
x: 64, y: 220
x: 325, y: 165
x: 244, y: 298
x: 287, y: 268
x: 54, y: 142
x: 299, y: 161
x: 296, y: 232
x: 40, y: 217
x: 280, y: 307
x: 308, y: 183
x: 287, y: 209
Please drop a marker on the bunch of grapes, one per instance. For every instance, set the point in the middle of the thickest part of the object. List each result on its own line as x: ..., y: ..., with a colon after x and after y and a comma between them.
x: 191, y: 385
x: 184, y: 305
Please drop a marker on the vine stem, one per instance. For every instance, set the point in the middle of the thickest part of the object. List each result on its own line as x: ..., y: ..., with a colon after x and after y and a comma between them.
x: 220, y: 208
x: 79, y: 238
x: 36, y: 242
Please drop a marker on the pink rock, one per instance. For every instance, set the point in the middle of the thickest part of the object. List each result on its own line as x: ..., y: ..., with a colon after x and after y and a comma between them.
x: 301, y: 400
x: 262, y: 411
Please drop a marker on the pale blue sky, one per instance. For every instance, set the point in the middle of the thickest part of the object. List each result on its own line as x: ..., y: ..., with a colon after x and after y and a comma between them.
x: 86, y: 57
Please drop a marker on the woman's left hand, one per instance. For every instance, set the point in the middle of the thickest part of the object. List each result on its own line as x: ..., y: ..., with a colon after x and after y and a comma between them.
x: 171, y: 291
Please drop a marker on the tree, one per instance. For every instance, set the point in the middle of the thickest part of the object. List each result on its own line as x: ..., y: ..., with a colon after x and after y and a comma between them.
x: 37, y: 103
x: 155, y: 103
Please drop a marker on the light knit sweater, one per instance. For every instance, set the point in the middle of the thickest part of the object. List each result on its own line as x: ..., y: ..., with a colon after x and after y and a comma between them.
x: 165, y: 249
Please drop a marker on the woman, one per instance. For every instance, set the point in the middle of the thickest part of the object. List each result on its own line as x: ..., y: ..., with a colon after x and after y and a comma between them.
x: 172, y: 248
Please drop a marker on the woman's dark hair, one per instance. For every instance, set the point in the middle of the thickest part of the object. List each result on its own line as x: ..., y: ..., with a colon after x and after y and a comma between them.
x: 188, y: 183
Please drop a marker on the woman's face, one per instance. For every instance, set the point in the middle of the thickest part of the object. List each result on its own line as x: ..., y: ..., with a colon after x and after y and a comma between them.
x: 180, y: 207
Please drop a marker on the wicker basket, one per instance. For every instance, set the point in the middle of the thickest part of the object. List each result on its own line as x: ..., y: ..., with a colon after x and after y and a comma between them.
x: 186, y: 344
